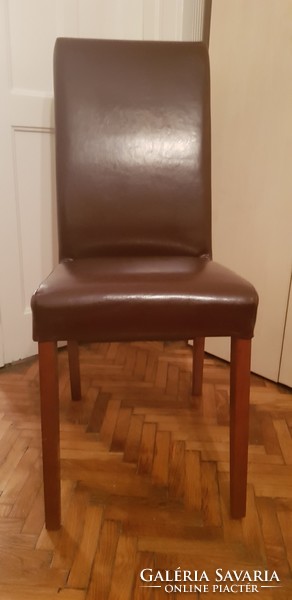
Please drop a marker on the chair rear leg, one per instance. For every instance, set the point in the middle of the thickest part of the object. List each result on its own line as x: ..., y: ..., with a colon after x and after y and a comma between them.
x: 198, y: 363
x: 239, y: 424
x: 49, y: 396
x: 74, y: 369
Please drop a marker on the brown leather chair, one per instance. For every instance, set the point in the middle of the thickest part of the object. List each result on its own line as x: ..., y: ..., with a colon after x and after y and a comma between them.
x: 134, y: 214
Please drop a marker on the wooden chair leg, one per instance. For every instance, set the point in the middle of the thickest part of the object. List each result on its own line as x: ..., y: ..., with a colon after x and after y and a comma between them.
x: 74, y: 369
x: 198, y: 363
x: 49, y: 396
x: 239, y: 424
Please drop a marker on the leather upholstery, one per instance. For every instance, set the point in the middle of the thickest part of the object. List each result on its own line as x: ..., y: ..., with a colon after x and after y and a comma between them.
x: 133, y: 188
x: 133, y: 148
x: 144, y: 298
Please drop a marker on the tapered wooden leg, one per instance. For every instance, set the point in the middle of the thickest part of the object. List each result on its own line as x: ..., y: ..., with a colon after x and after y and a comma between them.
x: 74, y: 369
x: 198, y: 363
x: 49, y: 395
x: 239, y: 424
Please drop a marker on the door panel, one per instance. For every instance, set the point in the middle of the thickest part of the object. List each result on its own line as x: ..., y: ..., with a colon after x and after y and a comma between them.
x: 32, y: 31
x: 119, y: 19
x: 35, y: 200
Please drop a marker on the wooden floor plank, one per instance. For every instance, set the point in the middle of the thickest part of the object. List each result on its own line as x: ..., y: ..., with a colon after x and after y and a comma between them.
x: 81, y: 568
x: 103, y: 561
x: 160, y: 465
x: 192, y: 482
x: 123, y: 572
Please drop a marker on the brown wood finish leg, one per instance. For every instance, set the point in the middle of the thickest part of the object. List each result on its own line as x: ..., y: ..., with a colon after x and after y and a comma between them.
x: 74, y: 368
x: 49, y: 396
x: 239, y: 424
x: 198, y: 363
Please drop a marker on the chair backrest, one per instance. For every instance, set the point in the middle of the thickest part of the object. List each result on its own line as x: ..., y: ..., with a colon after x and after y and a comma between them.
x: 132, y: 148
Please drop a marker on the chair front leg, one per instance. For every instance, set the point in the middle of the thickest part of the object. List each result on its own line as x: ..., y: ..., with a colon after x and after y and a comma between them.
x: 198, y: 364
x: 49, y: 396
x: 74, y: 369
x: 239, y: 424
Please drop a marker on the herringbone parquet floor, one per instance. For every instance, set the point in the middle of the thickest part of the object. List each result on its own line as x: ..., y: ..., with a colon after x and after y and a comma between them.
x: 144, y: 482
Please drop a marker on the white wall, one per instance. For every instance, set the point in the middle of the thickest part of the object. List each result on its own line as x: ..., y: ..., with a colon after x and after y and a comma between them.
x: 250, y: 50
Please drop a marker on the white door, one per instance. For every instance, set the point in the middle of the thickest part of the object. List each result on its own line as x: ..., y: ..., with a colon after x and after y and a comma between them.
x: 28, y: 29
x: 251, y: 75
x: 27, y: 224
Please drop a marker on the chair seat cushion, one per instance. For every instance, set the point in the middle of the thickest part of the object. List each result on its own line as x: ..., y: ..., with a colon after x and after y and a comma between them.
x: 142, y: 298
